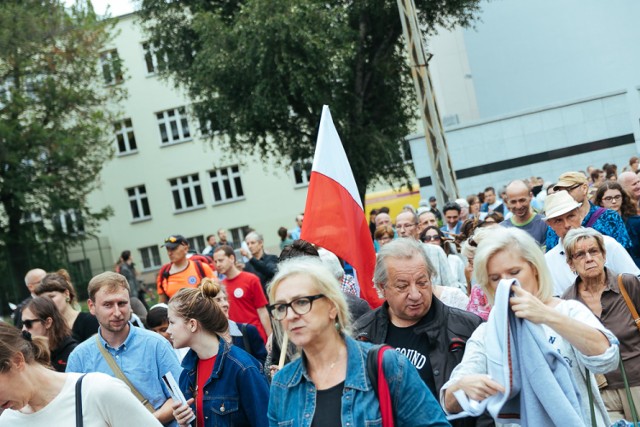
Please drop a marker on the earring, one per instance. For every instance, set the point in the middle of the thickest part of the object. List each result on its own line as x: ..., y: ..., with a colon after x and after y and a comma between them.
x: 67, y: 299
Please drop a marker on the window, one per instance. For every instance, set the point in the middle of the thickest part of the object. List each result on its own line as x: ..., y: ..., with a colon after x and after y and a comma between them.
x: 186, y: 192
x: 226, y: 184
x: 111, y: 67
x: 238, y: 234
x: 139, y: 202
x: 125, y: 138
x: 174, y: 126
x: 302, y: 173
x: 154, y: 63
x: 150, y: 257
x: 196, y: 243
x: 68, y: 222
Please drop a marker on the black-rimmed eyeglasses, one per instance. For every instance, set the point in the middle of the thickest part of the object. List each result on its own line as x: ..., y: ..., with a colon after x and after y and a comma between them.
x: 300, y: 306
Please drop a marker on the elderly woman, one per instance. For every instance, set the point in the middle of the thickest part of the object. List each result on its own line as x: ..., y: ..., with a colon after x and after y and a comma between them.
x: 597, y: 288
x: 570, y: 328
x: 33, y: 395
x: 41, y: 318
x: 328, y: 385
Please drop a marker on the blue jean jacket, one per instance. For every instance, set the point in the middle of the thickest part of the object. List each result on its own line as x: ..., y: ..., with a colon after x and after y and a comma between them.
x: 293, y: 394
x: 235, y: 395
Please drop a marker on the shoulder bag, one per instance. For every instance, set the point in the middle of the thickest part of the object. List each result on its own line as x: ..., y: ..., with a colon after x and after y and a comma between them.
x: 120, y: 375
x: 79, y: 420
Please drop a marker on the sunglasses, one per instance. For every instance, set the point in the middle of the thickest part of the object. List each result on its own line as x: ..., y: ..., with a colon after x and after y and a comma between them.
x: 429, y: 238
x: 170, y: 239
x: 28, y: 323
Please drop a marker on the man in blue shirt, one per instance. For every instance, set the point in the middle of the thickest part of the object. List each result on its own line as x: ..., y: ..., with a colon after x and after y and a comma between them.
x: 452, y: 223
x: 603, y: 220
x: 143, y: 356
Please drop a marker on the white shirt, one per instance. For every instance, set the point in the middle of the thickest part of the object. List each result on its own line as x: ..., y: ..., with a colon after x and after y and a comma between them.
x: 106, y: 402
x: 618, y: 260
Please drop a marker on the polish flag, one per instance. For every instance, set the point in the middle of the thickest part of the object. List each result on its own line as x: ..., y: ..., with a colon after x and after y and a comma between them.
x: 333, y: 216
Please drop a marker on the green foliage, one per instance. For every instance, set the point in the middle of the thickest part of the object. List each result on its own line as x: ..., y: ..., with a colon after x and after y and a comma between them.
x: 261, y: 70
x: 55, y: 128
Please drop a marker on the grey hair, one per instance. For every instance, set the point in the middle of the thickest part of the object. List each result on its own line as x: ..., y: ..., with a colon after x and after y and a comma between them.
x: 403, y: 248
x: 576, y: 235
x: 331, y: 261
x: 412, y: 213
x: 255, y: 236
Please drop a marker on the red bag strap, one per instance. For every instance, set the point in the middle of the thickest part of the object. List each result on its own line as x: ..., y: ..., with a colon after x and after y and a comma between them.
x: 384, y: 394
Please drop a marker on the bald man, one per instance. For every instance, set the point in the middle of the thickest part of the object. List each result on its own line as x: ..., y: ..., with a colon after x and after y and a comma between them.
x: 519, y: 198
x: 631, y: 184
x: 31, y: 280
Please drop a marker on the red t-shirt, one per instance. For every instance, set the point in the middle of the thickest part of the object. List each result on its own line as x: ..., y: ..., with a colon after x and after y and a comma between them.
x: 187, y: 278
x: 204, y: 370
x: 245, y: 298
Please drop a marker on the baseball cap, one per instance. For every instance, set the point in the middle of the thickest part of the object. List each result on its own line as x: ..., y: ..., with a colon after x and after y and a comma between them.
x: 174, y: 241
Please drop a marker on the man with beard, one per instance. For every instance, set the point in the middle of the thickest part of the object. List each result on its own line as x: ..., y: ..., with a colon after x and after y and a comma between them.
x: 142, y: 356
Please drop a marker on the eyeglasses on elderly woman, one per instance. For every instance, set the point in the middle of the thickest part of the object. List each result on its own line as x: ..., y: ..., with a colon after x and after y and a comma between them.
x: 300, y: 306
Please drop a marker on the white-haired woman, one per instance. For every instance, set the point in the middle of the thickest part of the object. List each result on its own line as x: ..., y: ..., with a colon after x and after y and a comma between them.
x: 328, y: 385
x: 569, y: 326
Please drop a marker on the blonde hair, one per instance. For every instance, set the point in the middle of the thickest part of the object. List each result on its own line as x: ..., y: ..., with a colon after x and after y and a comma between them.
x: 322, y: 278
x: 498, y: 239
x: 199, y: 304
x: 110, y: 280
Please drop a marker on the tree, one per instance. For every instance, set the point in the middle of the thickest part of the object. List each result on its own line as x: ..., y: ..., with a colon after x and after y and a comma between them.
x: 260, y: 71
x: 55, y: 128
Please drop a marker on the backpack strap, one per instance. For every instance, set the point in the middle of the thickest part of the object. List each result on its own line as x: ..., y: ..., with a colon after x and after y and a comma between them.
x: 594, y: 217
x: 164, y: 275
x: 199, y: 269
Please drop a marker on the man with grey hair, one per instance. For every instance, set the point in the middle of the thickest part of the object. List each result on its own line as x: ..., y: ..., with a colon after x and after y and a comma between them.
x: 32, y: 279
x: 260, y: 263
x: 630, y: 182
x: 432, y: 335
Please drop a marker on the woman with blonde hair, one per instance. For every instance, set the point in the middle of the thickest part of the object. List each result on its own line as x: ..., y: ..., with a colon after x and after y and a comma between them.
x: 59, y: 288
x: 223, y: 385
x: 328, y: 385
x: 570, y: 328
x: 33, y: 395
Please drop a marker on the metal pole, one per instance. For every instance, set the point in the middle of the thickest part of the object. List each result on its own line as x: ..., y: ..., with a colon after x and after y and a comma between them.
x: 442, y: 173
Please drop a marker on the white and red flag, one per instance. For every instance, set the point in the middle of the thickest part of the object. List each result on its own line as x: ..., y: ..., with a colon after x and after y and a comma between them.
x: 333, y: 216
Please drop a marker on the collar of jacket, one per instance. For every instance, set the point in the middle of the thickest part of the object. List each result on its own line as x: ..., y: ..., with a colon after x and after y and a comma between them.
x: 190, y: 361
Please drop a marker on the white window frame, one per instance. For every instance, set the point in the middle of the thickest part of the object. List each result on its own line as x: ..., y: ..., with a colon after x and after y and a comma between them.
x: 151, y: 58
x: 70, y: 222
x: 110, y: 62
x: 196, y: 243
x: 183, y: 186
x: 150, y: 257
x: 125, y: 130
x: 176, y: 125
x: 139, y: 197
x: 218, y: 178
x: 305, y: 173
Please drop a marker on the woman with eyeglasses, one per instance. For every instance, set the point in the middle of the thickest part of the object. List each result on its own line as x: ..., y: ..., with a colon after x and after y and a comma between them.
x: 597, y: 287
x: 57, y: 286
x: 328, y: 385
x: 223, y: 384
x: 612, y: 196
x: 41, y: 318
x: 34, y: 395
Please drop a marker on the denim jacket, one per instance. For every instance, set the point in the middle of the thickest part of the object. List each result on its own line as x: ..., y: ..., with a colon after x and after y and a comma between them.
x: 293, y: 394
x: 235, y: 395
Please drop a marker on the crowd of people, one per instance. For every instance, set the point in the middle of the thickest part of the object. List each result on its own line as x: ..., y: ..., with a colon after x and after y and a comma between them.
x: 511, y: 307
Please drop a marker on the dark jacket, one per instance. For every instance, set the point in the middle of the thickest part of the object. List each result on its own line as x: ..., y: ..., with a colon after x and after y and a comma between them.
x: 60, y: 354
x: 254, y: 343
x: 265, y: 268
x: 447, y: 335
